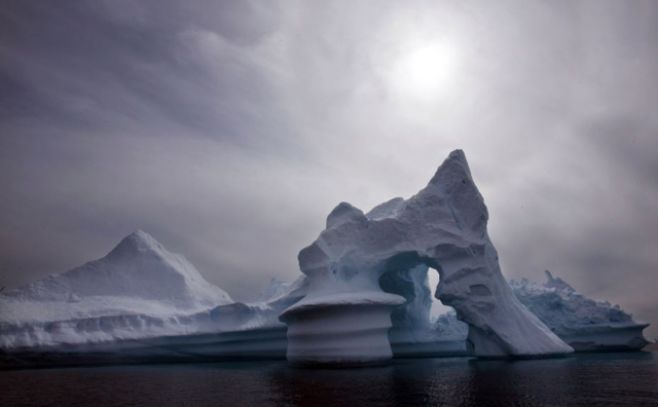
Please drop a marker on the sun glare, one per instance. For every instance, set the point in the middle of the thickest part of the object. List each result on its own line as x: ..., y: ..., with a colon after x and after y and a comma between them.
x: 426, y: 70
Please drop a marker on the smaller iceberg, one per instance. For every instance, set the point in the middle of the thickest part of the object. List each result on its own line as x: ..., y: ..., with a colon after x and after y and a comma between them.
x: 584, y: 323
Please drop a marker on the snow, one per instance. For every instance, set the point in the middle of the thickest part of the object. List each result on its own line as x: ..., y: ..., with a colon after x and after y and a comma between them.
x: 443, y: 227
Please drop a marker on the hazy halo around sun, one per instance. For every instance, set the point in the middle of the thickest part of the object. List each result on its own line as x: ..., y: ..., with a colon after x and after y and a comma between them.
x: 424, y: 71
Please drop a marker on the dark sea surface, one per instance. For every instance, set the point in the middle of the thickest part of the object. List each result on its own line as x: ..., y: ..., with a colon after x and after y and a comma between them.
x: 614, y: 379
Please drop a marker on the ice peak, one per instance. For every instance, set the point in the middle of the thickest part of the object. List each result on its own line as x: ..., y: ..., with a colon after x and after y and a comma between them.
x: 556, y: 282
x: 138, y: 267
x: 457, y: 154
x: 140, y: 234
x: 142, y: 237
x: 137, y: 242
x: 453, y: 169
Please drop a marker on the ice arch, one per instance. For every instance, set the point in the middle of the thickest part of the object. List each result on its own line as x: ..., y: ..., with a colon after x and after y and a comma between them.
x: 345, y: 315
x: 411, y: 320
x: 415, y: 331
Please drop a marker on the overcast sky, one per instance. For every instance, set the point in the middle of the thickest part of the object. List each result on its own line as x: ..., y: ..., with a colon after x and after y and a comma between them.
x: 230, y: 129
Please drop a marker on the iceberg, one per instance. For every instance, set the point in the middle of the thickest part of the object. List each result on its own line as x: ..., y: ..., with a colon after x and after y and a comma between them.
x: 346, y: 314
x: 138, y: 289
x: 130, y: 270
x: 140, y: 302
x: 584, y: 323
x: 363, y: 297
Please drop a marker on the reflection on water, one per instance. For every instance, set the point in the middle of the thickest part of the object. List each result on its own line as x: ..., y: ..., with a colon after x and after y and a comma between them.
x: 625, y: 379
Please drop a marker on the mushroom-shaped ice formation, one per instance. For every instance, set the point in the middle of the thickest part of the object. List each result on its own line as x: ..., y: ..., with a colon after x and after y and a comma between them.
x: 345, y: 315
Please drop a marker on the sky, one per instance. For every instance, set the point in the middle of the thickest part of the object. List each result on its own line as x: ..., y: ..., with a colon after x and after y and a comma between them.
x: 229, y: 130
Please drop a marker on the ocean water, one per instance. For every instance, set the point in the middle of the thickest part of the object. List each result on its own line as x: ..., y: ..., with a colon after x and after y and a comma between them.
x: 616, y: 379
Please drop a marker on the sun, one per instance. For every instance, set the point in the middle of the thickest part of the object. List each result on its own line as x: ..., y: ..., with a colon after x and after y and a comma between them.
x: 425, y: 71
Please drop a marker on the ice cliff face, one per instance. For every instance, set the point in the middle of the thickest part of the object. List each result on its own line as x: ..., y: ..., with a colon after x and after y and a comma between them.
x: 443, y: 227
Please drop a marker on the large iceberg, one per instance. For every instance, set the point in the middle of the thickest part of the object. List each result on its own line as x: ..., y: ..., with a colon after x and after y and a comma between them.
x: 364, y: 297
x: 345, y: 315
x: 139, y: 301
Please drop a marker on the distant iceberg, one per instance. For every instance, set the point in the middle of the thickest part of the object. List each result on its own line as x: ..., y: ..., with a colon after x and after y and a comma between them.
x: 139, y: 267
x: 584, y: 323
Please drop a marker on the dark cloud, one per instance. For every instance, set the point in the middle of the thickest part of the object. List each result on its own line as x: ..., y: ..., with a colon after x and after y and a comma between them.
x: 230, y: 129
